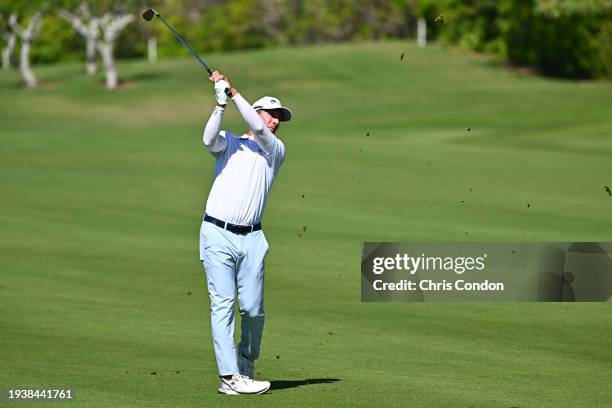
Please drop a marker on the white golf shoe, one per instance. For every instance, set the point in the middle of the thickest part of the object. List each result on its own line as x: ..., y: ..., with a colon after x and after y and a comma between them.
x: 240, y: 384
x: 246, y: 367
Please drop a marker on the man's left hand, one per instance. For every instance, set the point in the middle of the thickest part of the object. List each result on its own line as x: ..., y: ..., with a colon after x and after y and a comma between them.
x: 221, y: 90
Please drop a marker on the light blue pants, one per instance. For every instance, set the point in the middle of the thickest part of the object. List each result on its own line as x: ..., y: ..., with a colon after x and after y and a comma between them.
x: 234, y: 262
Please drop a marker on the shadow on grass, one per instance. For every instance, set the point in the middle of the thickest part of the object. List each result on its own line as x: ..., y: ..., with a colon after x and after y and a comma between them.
x: 40, y: 85
x: 145, y: 76
x: 123, y: 83
x: 284, y: 384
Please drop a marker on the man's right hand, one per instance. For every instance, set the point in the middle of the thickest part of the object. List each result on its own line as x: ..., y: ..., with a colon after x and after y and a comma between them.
x: 217, y: 76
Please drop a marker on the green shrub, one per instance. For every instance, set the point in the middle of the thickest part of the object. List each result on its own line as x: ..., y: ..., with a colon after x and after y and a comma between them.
x: 564, y: 38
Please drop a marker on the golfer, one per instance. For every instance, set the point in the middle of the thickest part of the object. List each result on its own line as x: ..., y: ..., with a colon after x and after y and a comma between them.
x: 232, y: 242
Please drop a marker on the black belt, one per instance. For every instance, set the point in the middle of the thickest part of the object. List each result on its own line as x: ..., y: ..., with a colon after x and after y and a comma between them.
x: 236, y: 229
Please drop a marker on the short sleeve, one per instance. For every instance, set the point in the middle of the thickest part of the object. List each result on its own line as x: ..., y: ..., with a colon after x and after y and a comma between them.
x: 230, y: 143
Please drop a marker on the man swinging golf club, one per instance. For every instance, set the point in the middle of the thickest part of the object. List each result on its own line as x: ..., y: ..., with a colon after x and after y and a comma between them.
x: 232, y: 243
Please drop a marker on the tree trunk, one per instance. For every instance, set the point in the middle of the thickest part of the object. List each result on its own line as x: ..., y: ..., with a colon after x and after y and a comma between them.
x: 27, y: 36
x: 87, y: 26
x: 152, y: 49
x: 24, y: 65
x: 111, y: 27
x: 106, y: 49
x: 422, y: 32
x: 9, y: 41
x: 92, y: 66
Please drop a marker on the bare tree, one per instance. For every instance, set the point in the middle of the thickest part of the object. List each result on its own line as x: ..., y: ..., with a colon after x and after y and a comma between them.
x: 111, y: 25
x: 26, y: 35
x: 9, y: 39
x: 87, y: 26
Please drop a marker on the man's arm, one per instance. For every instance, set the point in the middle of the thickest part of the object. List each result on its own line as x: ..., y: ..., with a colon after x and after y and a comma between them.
x: 263, y: 136
x: 213, y: 141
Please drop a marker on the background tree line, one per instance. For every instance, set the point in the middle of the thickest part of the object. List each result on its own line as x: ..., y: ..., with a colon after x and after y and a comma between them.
x: 567, y: 38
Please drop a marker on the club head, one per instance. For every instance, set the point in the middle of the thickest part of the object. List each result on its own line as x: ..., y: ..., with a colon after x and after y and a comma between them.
x: 148, y: 15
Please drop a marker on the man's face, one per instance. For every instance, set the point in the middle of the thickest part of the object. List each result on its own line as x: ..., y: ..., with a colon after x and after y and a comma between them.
x: 271, y: 119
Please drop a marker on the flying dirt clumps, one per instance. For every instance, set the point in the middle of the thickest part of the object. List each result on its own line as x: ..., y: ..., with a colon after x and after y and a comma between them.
x: 607, y: 190
x: 440, y: 20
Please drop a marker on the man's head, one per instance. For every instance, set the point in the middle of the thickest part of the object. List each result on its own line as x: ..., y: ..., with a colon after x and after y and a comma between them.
x: 272, y: 112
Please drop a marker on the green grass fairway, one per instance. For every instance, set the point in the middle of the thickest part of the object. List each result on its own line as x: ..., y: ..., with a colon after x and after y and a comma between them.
x: 101, y: 198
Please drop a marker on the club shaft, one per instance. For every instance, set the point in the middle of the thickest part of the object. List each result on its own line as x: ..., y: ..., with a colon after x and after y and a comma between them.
x: 206, y: 67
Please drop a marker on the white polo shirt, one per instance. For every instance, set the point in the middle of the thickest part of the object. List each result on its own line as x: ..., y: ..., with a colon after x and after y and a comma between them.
x: 243, y: 178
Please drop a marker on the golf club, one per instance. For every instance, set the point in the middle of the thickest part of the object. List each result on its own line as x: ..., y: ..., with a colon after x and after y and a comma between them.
x: 148, y: 15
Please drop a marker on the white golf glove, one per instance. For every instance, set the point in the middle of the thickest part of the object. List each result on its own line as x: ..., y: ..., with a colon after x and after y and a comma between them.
x: 220, y: 95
